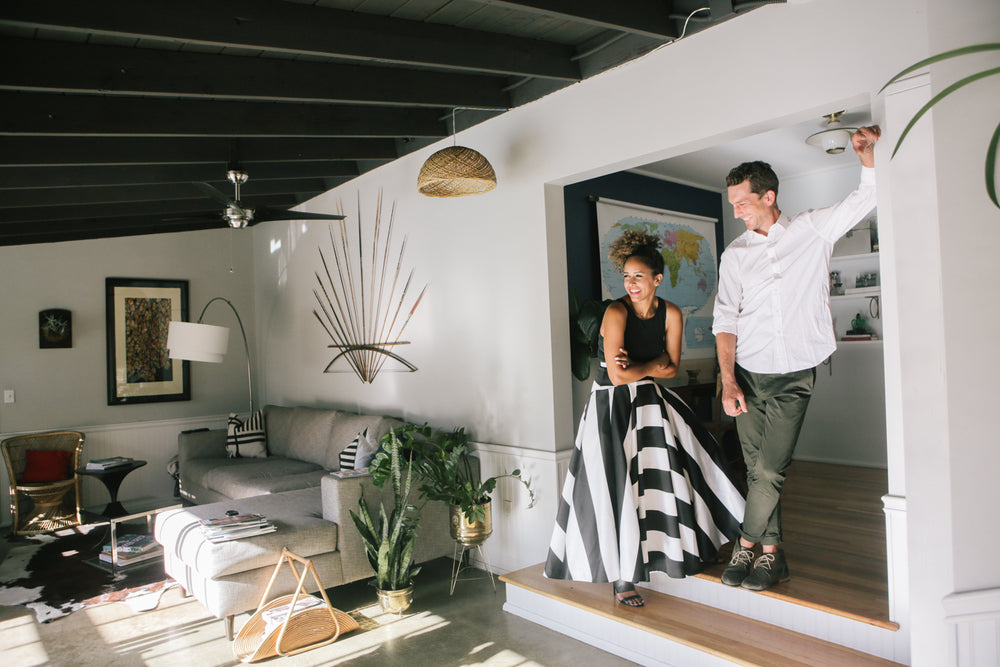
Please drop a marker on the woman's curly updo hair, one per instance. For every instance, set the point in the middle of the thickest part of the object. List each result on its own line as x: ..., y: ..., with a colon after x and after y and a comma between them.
x: 642, y: 246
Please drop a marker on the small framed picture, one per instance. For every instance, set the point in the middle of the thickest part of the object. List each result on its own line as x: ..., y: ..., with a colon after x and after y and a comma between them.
x: 55, y: 328
x: 139, y: 312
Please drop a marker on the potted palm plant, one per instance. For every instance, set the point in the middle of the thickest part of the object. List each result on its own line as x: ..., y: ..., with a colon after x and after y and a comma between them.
x: 389, y: 540
x: 445, y: 472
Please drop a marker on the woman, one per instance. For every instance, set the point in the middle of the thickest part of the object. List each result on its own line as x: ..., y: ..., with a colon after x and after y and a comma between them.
x: 646, y: 488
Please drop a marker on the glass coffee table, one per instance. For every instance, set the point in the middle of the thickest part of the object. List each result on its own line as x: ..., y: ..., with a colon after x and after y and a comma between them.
x: 133, y: 510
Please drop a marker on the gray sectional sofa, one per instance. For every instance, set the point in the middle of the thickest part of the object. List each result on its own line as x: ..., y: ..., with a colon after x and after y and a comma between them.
x: 294, y: 489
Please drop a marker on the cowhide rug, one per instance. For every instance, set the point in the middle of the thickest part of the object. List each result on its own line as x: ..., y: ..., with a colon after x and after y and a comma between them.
x: 48, y: 573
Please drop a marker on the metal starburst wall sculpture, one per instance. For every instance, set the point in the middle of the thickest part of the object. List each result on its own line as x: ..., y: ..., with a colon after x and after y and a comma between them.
x: 358, y: 305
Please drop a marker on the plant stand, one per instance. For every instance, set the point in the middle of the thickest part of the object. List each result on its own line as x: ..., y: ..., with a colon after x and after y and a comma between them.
x: 301, y: 629
x: 457, y: 568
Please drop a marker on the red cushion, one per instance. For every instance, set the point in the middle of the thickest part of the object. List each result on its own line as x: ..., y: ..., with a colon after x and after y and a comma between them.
x: 44, y: 465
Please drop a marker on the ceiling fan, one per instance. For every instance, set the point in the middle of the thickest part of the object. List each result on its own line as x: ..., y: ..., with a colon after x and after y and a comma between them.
x: 238, y: 215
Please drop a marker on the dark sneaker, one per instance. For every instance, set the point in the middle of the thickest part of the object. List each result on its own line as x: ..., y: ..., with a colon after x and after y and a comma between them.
x: 767, y: 571
x: 739, y: 566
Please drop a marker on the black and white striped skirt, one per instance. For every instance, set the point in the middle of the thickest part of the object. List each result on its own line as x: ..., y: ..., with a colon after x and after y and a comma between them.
x: 647, y: 490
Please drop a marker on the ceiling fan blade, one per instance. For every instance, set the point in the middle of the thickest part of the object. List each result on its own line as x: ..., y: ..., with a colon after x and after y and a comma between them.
x: 210, y: 191
x: 266, y: 213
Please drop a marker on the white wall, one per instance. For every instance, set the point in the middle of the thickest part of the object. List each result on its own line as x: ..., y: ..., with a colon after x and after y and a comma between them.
x: 489, y: 340
x: 58, y: 388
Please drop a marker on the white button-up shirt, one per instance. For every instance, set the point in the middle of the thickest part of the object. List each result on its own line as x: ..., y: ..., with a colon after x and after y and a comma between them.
x: 774, y: 290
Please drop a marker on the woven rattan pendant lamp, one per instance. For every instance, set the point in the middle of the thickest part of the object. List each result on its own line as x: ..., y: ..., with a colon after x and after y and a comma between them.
x: 456, y: 171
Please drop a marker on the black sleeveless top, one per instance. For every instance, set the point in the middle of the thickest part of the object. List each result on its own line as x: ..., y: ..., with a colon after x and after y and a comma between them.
x: 644, y: 339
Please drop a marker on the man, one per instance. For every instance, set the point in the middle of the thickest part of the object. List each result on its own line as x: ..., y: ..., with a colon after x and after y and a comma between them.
x: 772, y: 327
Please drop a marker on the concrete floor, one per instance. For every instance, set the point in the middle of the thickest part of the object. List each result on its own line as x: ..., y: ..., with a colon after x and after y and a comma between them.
x: 469, y: 628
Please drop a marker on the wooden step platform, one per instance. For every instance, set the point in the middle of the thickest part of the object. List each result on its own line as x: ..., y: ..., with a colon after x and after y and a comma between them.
x: 720, y: 634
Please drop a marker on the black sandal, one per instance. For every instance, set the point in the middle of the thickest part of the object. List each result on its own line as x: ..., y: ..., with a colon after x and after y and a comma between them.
x: 635, y: 600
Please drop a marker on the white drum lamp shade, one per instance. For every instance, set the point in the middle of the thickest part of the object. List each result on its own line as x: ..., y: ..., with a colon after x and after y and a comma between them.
x: 197, y: 342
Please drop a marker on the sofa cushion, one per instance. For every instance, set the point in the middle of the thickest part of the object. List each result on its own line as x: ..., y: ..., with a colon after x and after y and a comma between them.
x: 247, y: 439
x: 236, y: 478
x: 296, y: 514
x: 300, y: 433
x: 347, y: 428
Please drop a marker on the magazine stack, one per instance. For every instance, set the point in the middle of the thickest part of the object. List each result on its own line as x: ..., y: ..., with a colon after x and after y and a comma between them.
x: 234, y: 527
x: 133, y: 549
x: 108, y: 463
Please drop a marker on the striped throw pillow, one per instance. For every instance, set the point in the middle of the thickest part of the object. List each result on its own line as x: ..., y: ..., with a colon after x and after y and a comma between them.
x: 358, y: 454
x: 246, y: 439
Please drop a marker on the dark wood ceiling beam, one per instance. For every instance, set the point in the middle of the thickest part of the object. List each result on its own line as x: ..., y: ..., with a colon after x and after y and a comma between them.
x: 81, y: 230
x: 293, y: 28
x: 304, y: 189
x: 61, y: 177
x: 46, y: 113
x: 76, y: 67
x: 50, y: 214
x: 49, y: 150
x: 650, y: 18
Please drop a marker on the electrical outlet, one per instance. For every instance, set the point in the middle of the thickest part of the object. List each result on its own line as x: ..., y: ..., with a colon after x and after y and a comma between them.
x: 8, y: 395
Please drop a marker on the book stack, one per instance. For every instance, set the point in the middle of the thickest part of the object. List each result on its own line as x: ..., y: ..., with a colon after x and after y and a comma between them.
x: 108, y: 463
x: 851, y: 336
x: 235, y: 527
x: 133, y: 549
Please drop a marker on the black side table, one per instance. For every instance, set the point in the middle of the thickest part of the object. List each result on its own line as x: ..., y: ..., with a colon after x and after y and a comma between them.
x: 112, y: 478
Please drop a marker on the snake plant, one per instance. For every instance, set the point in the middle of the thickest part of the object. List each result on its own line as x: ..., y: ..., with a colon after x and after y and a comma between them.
x: 389, y: 541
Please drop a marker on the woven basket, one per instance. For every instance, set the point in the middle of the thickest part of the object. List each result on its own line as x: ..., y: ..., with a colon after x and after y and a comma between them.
x: 303, y: 630
x: 454, y: 172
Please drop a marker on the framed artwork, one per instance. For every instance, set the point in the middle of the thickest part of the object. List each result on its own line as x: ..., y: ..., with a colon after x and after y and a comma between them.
x: 55, y: 328
x: 690, y: 257
x: 139, y: 312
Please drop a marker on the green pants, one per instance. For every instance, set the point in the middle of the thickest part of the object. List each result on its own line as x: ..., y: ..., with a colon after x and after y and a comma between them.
x: 776, y: 406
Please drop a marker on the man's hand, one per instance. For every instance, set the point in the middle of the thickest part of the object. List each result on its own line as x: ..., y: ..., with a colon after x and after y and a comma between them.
x: 733, y: 401
x: 864, y: 140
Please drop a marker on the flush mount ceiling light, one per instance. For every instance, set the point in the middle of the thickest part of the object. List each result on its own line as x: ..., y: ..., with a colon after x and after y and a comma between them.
x: 456, y: 171
x: 835, y: 138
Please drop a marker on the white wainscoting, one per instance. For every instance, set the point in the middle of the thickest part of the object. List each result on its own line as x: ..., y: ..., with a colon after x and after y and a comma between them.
x: 152, y: 441
x: 521, y: 535
x: 976, y: 619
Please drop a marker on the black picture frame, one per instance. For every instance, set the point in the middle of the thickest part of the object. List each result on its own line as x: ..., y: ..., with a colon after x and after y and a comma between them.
x: 139, y: 311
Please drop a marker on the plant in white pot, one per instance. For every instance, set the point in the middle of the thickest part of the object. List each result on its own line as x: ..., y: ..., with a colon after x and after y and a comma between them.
x: 389, y: 540
x: 443, y: 464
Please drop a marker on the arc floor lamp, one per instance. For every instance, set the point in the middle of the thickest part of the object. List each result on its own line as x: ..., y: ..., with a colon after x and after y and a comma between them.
x: 195, y: 341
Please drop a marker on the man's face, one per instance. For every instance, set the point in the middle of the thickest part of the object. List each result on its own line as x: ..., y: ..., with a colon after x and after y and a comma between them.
x: 756, y: 211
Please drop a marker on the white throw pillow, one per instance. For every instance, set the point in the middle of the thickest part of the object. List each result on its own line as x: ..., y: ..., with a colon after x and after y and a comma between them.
x: 359, y: 454
x: 246, y: 439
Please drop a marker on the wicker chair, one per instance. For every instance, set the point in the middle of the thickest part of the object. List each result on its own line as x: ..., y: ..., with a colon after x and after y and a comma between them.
x: 42, y: 506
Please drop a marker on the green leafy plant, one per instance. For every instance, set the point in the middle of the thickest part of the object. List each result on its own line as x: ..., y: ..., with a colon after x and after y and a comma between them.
x: 991, y: 150
x: 584, y: 329
x: 389, y: 541
x: 442, y: 461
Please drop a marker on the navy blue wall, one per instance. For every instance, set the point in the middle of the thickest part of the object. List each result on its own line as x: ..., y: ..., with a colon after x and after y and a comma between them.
x: 582, y: 260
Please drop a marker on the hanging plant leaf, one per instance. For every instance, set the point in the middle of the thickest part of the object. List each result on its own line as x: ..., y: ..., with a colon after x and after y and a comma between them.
x: 991, y: 152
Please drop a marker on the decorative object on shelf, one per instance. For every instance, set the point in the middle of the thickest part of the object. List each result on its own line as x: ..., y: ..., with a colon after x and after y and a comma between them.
x: 55, y: 328
x: 194, y: 341
x: 389, y: 540
x: 692, y: 374
x: 859, y: 326
x: 443, y: 463
x: 456, y: 171
x: 994, y: 143
x: 835, y: 137
x: 836, y: 286
x: 868, y: 279
x: 139, y: 313
x: 356, y: 312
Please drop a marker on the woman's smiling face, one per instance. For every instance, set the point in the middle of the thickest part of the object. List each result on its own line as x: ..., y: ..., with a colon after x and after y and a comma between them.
x: 640, y: 282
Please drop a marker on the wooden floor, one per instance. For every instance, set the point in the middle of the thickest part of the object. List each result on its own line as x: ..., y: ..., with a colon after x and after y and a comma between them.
x: 834, y: 532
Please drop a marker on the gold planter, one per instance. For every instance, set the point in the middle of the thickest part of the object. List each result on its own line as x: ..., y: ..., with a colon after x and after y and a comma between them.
x: 395, y: 602
x: 470, y: 534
